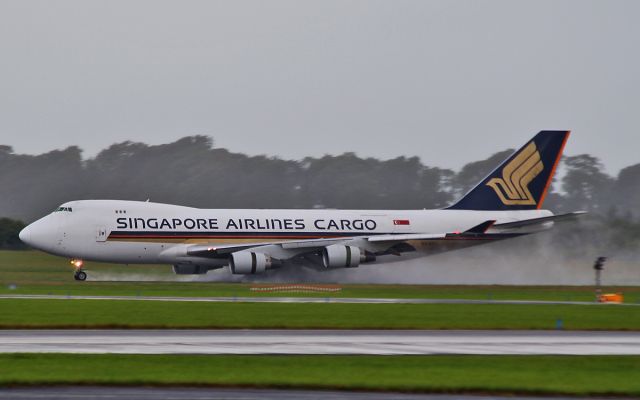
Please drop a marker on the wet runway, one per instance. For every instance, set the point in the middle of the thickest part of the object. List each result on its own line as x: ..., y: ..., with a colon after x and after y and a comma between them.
x: 328, y: 299
x: 374, y: 342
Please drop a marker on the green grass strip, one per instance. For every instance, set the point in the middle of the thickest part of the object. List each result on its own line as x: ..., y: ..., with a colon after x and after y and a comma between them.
x: 34, y: 272
x: 20, y: 313
x: 563, y: 375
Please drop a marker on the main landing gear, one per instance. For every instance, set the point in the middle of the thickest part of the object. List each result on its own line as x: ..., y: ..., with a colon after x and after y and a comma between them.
x: 79, y: 274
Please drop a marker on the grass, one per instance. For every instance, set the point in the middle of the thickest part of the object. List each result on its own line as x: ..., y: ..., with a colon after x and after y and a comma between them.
x: 20, y: 313
x: 560, y: 375
x: 32, y: 272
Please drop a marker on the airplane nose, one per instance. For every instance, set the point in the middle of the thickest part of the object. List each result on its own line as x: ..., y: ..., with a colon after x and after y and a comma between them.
x: 41, y: 234
x: 25, y: 234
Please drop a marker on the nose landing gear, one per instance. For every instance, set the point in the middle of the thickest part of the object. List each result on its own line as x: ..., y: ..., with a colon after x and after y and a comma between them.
x: 79, y: 274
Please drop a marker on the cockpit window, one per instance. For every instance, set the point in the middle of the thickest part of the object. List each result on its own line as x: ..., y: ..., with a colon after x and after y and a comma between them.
x: 66, y: 209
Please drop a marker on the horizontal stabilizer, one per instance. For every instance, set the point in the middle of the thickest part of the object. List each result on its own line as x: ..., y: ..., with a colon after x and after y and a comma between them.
x: 541, y: 220
x: 481, y: 228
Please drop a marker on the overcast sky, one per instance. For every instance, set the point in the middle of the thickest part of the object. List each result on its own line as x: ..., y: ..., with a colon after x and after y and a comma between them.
x: 448, y: 81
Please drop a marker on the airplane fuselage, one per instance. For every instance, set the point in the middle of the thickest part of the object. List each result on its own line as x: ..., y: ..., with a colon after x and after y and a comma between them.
x: 143, y: 232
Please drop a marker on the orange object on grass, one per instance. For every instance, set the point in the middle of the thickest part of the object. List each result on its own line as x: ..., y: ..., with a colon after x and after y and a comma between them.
x: 611, y: 298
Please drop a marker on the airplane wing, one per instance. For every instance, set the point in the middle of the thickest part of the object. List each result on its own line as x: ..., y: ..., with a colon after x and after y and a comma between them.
x: 473, y: 231
x: 385, y: 241
x: 223, y: 250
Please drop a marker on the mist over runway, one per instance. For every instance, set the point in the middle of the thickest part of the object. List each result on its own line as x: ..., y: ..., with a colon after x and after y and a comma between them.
x: 371, y: 342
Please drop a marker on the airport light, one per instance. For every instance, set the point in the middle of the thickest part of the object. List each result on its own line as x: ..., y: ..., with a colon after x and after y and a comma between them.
x: 598, y: 266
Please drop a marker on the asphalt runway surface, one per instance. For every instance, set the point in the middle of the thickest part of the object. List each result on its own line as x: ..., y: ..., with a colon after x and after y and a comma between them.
x: 146, y: 393
x: 345, y: 300
x: 373, y: 342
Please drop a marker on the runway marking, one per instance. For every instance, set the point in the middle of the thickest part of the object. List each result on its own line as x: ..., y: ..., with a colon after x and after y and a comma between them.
x: 345, y: 300
x: 372, y: 342
x: 296, y: 288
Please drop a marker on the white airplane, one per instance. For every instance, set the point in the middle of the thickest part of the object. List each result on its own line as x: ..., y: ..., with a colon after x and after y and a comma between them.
x: 505, y: 204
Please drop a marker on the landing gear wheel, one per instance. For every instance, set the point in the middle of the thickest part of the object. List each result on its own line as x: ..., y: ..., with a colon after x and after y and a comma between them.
x: 80, y: 275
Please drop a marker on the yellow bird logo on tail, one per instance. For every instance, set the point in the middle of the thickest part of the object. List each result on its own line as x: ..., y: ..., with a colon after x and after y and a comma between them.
x: 513, y: 187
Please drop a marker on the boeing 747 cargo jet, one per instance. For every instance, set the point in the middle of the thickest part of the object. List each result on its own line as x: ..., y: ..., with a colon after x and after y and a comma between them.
x: 505, y: 204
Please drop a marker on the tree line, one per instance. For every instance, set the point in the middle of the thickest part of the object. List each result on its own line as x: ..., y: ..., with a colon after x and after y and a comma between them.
x: 193, y: 172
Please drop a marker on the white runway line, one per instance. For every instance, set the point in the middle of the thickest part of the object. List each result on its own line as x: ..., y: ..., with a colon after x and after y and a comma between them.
x: 319, y: 342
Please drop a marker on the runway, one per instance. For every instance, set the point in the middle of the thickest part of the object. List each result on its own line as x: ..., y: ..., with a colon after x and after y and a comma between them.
x: 373, y: 342
x: 343, y: 300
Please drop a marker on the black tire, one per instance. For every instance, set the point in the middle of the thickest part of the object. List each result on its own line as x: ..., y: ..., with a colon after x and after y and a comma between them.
x: 80, y: 276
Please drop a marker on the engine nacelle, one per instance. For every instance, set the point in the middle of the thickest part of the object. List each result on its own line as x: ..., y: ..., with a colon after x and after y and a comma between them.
x: 341, y: 256
x: 248, y: 262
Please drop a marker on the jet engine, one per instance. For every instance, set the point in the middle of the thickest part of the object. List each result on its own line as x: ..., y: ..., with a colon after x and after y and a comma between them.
x: 248, y: 262
x: 341, y: 256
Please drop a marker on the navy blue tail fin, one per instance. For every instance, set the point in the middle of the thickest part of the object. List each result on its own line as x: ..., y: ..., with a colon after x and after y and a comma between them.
x: 521, y: 182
